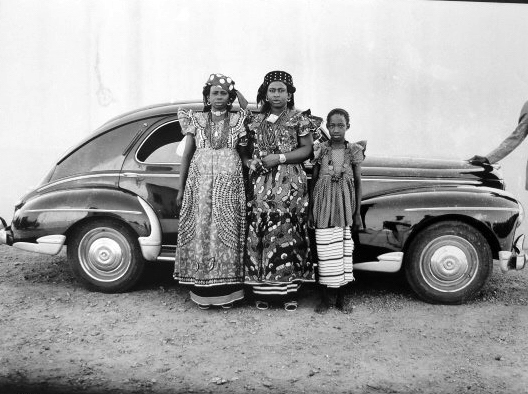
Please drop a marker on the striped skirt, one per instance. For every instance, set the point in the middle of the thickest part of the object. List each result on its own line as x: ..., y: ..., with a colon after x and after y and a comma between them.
x: 334, y: 254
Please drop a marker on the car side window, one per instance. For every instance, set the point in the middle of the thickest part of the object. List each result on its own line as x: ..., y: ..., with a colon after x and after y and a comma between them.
x: 161, y: 145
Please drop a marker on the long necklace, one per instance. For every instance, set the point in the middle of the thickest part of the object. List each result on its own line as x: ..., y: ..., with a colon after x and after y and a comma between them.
x: 269, y: 134
x: 219, y: 137
x: 337, y: 168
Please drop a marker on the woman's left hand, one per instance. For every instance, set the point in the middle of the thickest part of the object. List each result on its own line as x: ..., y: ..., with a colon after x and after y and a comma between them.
x: 271, y: 160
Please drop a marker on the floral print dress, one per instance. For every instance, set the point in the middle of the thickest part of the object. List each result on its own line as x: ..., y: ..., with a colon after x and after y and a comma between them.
x: 211, y: 235
x: 278, y: 255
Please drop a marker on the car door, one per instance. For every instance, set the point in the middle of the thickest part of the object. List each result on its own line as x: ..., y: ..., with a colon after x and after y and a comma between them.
x: 151, y: 170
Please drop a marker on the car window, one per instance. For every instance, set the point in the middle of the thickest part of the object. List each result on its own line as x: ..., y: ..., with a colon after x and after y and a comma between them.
x: 103, y: 153
x: 161, y: 145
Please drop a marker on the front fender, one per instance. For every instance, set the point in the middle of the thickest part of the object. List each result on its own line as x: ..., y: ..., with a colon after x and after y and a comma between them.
x: 391, y: 220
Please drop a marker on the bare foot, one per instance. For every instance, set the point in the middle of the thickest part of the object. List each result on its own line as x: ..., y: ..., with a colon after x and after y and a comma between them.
x: 322, y: 307
x: 340, y: 302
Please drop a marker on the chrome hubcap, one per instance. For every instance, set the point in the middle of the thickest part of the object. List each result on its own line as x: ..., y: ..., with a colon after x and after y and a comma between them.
x: 449, y: 263
x: 105, y: 254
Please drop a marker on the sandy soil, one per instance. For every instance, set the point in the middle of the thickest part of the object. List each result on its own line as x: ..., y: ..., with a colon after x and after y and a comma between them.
x: 57, y: 337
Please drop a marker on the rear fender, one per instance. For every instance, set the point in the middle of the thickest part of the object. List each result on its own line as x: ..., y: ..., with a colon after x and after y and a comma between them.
x: 58, y: 211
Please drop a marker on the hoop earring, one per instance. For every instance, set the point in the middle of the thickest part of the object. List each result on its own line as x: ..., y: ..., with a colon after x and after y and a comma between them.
x: 267, y: 99
x: 289, y: 99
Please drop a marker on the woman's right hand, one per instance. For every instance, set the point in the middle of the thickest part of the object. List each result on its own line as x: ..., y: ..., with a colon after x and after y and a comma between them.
x: 255, y: 165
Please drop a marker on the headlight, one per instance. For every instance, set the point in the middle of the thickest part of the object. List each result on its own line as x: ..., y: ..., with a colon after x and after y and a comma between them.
x: 521, y: 214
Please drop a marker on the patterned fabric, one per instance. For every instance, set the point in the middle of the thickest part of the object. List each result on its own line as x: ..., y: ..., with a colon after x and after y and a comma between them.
x: 211, y: 235
x: 334, y: 256
x: 222, y: 81
x: 281, y: 76
x: 278, y: 254
x: 334, y: 193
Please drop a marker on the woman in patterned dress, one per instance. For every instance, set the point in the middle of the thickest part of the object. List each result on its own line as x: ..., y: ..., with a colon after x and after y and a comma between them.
x: 211, y: 235
x: 278, y: 256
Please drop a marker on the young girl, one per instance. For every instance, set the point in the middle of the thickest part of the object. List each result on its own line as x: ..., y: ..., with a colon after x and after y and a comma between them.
x: 335, y: 206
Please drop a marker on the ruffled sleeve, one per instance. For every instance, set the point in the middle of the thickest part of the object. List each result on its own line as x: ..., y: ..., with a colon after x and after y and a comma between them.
x: 186, y: 118
x: 358, y: 151
x: 320, y: 150
x: 238, y: 125
x: 304, y: 123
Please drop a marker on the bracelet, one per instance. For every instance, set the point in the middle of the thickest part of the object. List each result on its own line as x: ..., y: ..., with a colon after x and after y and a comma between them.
x: 282, y: 158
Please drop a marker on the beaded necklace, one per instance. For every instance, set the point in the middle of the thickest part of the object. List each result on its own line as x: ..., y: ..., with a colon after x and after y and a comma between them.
x: 269, y: 134
x: 218, y: 139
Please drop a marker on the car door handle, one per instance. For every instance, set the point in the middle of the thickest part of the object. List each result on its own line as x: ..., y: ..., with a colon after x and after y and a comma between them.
x: 132, y: 175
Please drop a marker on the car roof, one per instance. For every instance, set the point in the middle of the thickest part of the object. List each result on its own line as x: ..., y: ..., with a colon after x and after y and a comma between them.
x: 150, y: 111
x: 164, y: 109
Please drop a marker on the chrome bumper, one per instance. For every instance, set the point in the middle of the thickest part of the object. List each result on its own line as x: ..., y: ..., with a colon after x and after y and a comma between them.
x: 49, y: 244
x: 514, y: 260
x: 5, y: 233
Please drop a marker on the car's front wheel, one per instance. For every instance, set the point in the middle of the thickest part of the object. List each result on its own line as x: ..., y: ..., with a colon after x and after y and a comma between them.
x: 105, y: 256
x: 448, y: 262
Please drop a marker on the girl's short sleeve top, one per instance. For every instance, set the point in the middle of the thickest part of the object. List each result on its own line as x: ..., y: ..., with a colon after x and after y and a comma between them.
x: 354, y: 152
x: 195, y: 123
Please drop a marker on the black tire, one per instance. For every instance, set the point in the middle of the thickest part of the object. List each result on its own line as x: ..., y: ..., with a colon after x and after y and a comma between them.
x: 448, y: 263
x: 105, y: 256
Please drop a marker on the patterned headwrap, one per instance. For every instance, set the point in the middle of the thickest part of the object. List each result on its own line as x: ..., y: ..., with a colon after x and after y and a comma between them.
x: 222, y: 81
x: 281, y: 76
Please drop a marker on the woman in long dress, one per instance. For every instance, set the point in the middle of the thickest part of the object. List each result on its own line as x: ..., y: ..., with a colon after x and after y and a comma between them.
x: 211, y: 235
x: 278, y: 255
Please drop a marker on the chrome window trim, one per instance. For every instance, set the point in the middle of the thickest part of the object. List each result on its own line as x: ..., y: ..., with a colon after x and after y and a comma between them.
x: 146, y: 138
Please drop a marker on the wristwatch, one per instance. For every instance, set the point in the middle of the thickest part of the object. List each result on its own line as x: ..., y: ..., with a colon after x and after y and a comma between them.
x: 282, y: 158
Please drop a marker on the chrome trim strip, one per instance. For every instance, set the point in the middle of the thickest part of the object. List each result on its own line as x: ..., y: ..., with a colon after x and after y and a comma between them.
x: 85, y: 210
x: 164, y: 258
x: 76, y: 178
x: 129, y: 174
x: 461, y: 209
x: 151, y: 245
x: 435, y: 180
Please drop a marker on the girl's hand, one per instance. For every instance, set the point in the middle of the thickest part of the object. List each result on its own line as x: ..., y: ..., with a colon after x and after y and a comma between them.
x: 179, y: 199
x: 311, y: 223
x: 357, y: 225
x: 271, y: 160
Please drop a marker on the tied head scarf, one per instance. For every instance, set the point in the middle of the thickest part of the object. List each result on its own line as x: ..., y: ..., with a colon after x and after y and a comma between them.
x: 274, y: 76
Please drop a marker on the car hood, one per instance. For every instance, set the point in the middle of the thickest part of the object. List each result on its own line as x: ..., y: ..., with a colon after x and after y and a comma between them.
x: 435, y: 171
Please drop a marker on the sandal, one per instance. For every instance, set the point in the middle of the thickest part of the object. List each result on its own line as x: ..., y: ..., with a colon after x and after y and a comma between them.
x: 290, y: 306
x: 262, y: 305
x: 202, y: 306
x: 229, y: 305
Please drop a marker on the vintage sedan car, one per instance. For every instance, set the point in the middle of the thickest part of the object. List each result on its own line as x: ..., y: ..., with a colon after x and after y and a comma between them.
x: 111, y: 201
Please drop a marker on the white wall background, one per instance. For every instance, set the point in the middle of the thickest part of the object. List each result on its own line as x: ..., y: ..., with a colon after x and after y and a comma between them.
x: 420, y: 78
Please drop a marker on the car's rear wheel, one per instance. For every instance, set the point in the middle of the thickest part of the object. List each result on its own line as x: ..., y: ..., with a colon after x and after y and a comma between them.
x: 448, y: 262
x: 105, y: 256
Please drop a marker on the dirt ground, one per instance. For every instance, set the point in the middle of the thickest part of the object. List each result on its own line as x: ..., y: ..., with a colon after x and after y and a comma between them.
x: 57, y: 337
